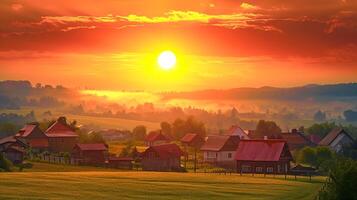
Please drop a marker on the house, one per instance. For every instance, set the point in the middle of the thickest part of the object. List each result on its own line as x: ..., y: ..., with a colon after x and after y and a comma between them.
x: 296, y: 139
x: 61, y: 137
x: 90, y: 154
x: 336, y: 139
x: 120, y: 162
x: 220, y: 150
x: 36, y: 139
x: 156, y: 138
x: 263, y: 156
x: 13, y: 149
x: 314, y: 138
x: 163, y: 157
x: 237, y: 131
x: 192, y: 140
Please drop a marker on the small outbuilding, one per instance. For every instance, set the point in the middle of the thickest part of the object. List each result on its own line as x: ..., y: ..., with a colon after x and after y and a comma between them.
x: 120, y: 162
x: 13, y: 149
x: 90, y: 154
x: 164, y: 157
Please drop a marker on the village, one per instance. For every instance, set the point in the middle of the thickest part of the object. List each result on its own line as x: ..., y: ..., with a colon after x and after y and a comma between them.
x: 235, y: 151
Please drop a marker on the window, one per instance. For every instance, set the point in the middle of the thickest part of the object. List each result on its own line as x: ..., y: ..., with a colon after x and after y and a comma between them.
x: 259, y: 169
x: 229, y: 155
x: 270, y: 169
x: 246, y: 168
x: 211, y: 154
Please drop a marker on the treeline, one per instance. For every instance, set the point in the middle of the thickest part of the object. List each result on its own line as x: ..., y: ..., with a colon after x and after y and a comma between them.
x: 11, y: 123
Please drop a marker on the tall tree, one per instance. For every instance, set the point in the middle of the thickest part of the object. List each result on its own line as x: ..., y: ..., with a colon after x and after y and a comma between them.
x: 139, y: 132
x: 269, y: 129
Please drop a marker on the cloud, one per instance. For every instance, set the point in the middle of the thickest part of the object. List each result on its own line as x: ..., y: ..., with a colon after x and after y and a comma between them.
x: 248, y: 6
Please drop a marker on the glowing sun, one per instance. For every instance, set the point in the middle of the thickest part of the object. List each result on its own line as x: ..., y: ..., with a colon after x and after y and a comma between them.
x: 166, y: 60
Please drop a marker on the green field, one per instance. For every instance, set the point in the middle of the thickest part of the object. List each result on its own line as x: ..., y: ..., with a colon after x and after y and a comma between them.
x: 71, y: 183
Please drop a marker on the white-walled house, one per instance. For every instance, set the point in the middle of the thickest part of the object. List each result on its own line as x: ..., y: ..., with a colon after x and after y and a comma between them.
x: 336, y: 139
x: 237, y: 131
x: 220, y: 150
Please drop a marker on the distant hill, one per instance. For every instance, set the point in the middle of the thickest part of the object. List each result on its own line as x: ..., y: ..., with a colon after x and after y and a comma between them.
x: 346, y: 91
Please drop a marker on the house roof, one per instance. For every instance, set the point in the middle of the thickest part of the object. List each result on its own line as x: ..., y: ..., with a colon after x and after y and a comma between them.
x: 155, y: 136
x: 60, y: 129
x: 26, y: 130
x: 220, y: 143
x: 233, y: 130
x: 189, y: 137
x: 92, y: 147
x: 11, y: 140
x: 8, y: 139
x: 296, y: 139
x: 314, y: 138
x: 260, y: 150
x: 329, y: 138
x: 165, y: 150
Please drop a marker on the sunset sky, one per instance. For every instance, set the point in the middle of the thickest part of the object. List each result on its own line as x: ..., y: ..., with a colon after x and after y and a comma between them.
x: 114, y: 44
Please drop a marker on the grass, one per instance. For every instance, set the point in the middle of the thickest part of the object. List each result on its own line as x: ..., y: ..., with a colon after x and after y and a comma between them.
x: 71, y: 182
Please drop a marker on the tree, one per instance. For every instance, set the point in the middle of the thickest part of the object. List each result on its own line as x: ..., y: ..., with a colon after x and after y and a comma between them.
x: 350, y: 115
x: 139, y: 132
x: 181, y: 127
x: 268, y: 128
x: 315, y: 156
x: 320, y: 116
x: 342, y: 181
x: 321, y: 129
x: 5, y: 164
x: 166, y: 128
x: 308, y: 156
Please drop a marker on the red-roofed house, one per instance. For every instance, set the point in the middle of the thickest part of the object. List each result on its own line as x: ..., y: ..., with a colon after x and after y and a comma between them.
x: 263, y: 156
x: 61, y: 137
x: 237, y: 131
x: 296, y: 139
x: 90, y: 154
x: 192, y: 140
x: 156, y: 138
x: 220, y: 150
x: 164, y: 157
x: 31, y: 134
x: 13, y: 149
x: 336, y: 139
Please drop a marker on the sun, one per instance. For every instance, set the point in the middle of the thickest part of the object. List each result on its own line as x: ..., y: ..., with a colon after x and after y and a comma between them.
x: 166, y: 60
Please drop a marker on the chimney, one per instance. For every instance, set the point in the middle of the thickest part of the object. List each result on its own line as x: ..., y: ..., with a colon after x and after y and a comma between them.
x: 265, y: 137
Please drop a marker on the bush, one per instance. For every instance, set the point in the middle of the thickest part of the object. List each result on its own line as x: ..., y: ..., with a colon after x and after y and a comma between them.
x: 5, y: 164
x: 342, y: 181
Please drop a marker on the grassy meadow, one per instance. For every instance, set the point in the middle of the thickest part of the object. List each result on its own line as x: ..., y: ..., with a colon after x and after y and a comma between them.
x: 149, y: 185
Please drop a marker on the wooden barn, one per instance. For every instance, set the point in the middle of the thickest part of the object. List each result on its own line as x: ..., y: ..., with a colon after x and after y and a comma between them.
x: 156, y: 138
x: 13, y: 149
x: 164, y: 157
x: 36, y: 139
x: 220, y: 150
x: 61, y: 137
x: 90, y: 154
x: 271, y: 156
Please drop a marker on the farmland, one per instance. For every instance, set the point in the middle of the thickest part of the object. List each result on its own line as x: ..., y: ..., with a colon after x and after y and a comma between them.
x: 149, y: 185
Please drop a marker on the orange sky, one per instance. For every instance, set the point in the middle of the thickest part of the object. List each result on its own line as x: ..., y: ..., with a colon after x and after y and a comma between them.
x: 218, y: 43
